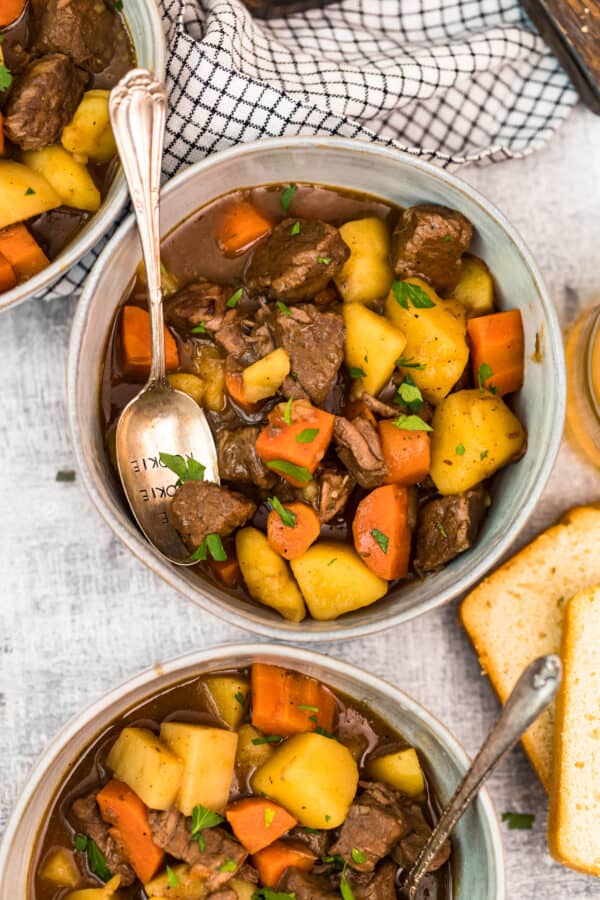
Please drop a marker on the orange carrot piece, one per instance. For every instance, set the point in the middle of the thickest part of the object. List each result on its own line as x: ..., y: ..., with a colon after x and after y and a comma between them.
x: 22, y: 251
x: 407, y: 454
x: 235, y: 388
x: 498, y: 341
x: 288, y: 703
x: 256, y: 822
x: 8, y: 279
x: 122, y: 808
x: 227, y: 571
x: 302, y: 440
x: 241, y: 226
x: 291, y: 541
x: 271, y: 862
x: 10, y: 10
x: 381, y: 532
x: 136, y: 344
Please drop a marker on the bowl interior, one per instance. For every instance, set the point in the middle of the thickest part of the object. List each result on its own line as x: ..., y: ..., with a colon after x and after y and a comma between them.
x: 145, y: 29
x: 477, y: 848
x: 405, y: 181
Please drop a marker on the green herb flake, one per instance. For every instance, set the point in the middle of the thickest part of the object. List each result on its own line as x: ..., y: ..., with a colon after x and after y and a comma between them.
x: 442, y: 531
x: 188, y: 469
x: 358, y: 856
x: 119, y: 5
x: 483, y: 455
x: 381, y: 539
x: 324, y: 260
x: 409, y: 394
x: 483, y: 374
x: 80, y: 842
x: 204, y: 818
x: 212, y: 544
x: 408, y: 362
x: 331, y: 561
x: 518, y: 821
x: 412, y: 423
x: 241, y: 699
x: 307, y: 436
x: 265, y: 893
x: 345, y: 889
x: 287, y: 196
x: 5, y: 78
x: 310, y: 830
x: 229, y: 865
x: 269, y: 816
x: 295, y: 229
x: 406, y: 293
x: 201, y: 842
x: 66, y: 475
x: 324, y: 733
x: 460, y: 450
x: 286, y: 515
x: 356, y: 372
x: 267, y: 739
x: 199, y: 329
x: 287, y: 412
x: 314, y: 709
x: 172, y: 879
x: 327, y: 818
x: 29, y: 192
x: 235, y: 298
x: 298, y: 473
x: 447, y: 237
x: 281, y: 306
x: 333, y: 859
x: 97, y: 861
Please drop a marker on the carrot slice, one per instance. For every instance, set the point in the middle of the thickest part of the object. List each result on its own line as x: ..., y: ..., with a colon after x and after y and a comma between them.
x: 256, y: 823
x: 22, y: 251
x: 241, y: 226
x: 122, y: 808
x: 288, y: 703
x: 297, y: 435
x: 136, y: 344
x: 8, y: 279
x: 381, y: 532
x: 271, y: 862
x: 407, y: 454
x: 498, y: 345
x: 228, y: 570
x: 291, y: 541
x: 10, y: 10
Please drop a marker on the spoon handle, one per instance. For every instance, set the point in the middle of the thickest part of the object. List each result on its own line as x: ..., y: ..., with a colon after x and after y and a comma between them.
x: 137, y: 113
x: 534, y: 690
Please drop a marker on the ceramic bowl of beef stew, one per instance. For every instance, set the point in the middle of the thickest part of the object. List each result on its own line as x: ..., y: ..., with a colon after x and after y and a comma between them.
x: 60, y: 185
x: 247, y: 772
x: 371, y: 356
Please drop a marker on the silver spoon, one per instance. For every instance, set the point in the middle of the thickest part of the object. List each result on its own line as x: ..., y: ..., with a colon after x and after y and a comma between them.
x: 159, y: 419
x: 532, y: 693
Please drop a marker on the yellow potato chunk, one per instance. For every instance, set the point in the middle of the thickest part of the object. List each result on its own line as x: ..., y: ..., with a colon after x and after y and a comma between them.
x: 402, y: 770
x: 366, y: 275
x: 244, y: 889
x: 89, y: 133
x: 70, y: 179
x: 334, y: 580
x: 372, y: 345
x: 475, y: 288
x: 313, y: 777
x: 209, y: 367
x: 189, y: 384
x: 60, y: 868
x: 23, y: 193
x: 189, y: 887
x: 267, y: 575
x: 105, y: 892
x: 435, y: 339
x: 208, y: 755
x: 250, y: 756
x: 147, y: 766
x: 474, y: 435
x: 264, y: 377
x: 229, y: 694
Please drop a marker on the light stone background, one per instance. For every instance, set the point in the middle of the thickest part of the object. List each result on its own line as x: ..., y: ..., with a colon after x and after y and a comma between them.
x: 78, y: 613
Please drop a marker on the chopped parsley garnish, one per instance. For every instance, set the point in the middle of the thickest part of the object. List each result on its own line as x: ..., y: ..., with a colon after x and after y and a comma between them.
x: 267, y: 739
x: 447, y: 237
x: 269, y: 816
x: 314, y: 709
x: 409, y: 394
x: 65, y: 475
x: 29, y: 192
x: 95, y: 857
x: 358, y: 856
x: 406, y: 293
x: 331, y: 561
x: 345, y: 889
x: 324, y: 733
x: 407, y: 362
x: 199, y: 329
x: 324, y: 260
x: 119, y: 5
x: 265, y: 893
x: 298, y: 473
x: 333, y: 859
x: 412, y: 423
x: 520, y: 821
x: 381, y: 538
x: 483, y: 454
x: 287, y: 412
x: 442, y: 531
x: 235, y: 298
x: 241, y: 699
x: 203, y: 818
x: 287, y: 196
x: 188, y: 469
x: 356, y: 372
x: 172, y: 879
x: 5, y: 78
x: 313, y: 719
x: 229, y: 865
x: 286, y: 515
x: 295, y: 229
x: 307, y: 436
x: 327, y: 818
x: 483, y: 374
x: 283, y: 308
x: 212, y: 544
x: 460, y: 450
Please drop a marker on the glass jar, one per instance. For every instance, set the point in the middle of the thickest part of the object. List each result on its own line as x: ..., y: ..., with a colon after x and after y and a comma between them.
x: 583, y: 375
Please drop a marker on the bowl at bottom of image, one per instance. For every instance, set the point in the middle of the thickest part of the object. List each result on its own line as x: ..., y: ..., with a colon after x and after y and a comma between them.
x: 399, y: 179
x: 477, y: 858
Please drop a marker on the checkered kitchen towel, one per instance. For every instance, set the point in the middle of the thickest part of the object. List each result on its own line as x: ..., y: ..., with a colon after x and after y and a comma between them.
x: 453, y: 81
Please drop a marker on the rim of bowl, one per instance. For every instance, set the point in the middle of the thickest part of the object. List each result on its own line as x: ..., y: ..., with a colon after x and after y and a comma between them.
x: 246, y: 617
x: 102, y: 221
x: 220, y: 653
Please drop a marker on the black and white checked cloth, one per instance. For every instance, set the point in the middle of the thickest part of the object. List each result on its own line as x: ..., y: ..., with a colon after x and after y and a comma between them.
x: 454, y: 81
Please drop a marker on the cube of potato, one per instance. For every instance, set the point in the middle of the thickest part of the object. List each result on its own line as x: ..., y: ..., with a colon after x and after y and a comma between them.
x: 229, y: 694
x: 402, y: 770
x: 23, y: 193
x: 435, y: 339
x: 475, y: 288
x: 264, y: 377
x: 244, y: 889
x: 250, y: 756
x: 208, y: 755
x: 70, y: 179
x: 189, y: 887
x: 147, y: 766
x: 366, y: 275
x: 267, y: 575
x: 89, y: 133
x: 105, y: 892
x: 313, y: 777
x: 372, y: 345
x: 209, y: 367
x: 334, y: 580
x: 188, y: 384
x: 474, y: 435
x: 60, y: 868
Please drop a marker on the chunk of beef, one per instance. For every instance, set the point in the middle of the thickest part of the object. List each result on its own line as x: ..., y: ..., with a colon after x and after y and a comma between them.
x: 296, y: 266
x: 381, y: 885
x: 172, y: 832
x: 429, y: 242
x: 200, y: 508
x: 292, y: 389
x: 358, y: 446
x: 42, y: 101
x: 56, y: 228
x: 371, y: 828
x: 314, y: 341
x: 305, y: 886
x: 89, y: 821
x: 238, y: 459
x: 316, y: 841
x: 224, y: 894
x: 85, y: 30
x: 447, y: 526
x: 245, y: 339
x: 198, y: 303
x: 335, y: 488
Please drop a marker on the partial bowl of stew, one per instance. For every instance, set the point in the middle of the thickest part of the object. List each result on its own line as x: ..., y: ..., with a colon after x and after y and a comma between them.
x: 61, y: 189
x: 247, y: 772
x: 371, y: 348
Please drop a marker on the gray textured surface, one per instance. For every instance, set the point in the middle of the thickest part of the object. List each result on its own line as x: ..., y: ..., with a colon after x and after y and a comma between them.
x: 78, y: 613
